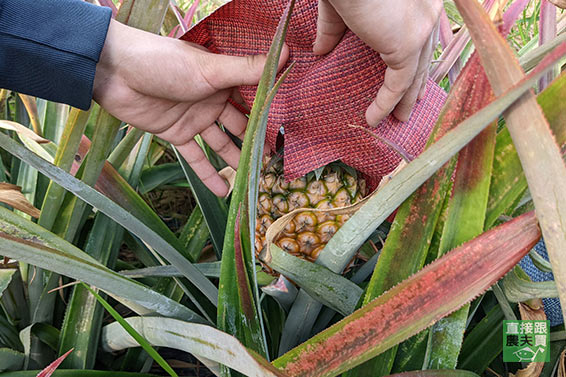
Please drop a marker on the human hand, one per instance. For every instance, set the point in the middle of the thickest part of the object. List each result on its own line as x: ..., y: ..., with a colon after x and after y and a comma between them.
x: 403, y: 32
x: 176, y: 90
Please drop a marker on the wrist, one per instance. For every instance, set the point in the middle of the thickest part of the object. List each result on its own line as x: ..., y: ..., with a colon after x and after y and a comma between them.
x: 107, y: 65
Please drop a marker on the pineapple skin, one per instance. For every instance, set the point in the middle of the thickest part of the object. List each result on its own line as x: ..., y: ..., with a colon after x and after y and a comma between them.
x: 307, y: 234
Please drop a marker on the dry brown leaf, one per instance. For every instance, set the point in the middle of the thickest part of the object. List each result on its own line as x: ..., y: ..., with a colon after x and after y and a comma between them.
x: 22, y: 130
x: 532, y: 310
x: 31, y: 107
x: 559, y: 3
x: 229, y: 174
x: 12, y: 195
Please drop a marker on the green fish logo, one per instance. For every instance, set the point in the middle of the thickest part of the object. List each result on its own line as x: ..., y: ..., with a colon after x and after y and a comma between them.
x: 527, y: 354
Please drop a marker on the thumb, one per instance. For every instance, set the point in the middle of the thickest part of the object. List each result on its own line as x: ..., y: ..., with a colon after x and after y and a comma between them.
x: 329, y: 28
x: 224, y: 71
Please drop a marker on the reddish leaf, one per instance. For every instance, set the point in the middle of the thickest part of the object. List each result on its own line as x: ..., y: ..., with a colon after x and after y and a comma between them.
x: 48, y: 371
x: 535, y: 144
x: 416, y: 303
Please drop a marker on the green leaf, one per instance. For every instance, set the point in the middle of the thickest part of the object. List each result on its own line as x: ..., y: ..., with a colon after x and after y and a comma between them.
x: 465, y: 217
x: 72, y: 211
x: 211, y: 269
x: 541, y: 160
x: 159, y: 175
x: 27, y: 242
x: 508, y: 180
x: 299, y: 322
x: 133, y: 333
x: 10, y: 359
x: 519, y: 288
x: 321, y: 284
x: 437, y: 373
x: 83, y: 316
x: 410, y: 307
x: 238, y: 304
x: 194, y: 234
x: 5, y: 278
x: 125, y: 147
x: 214, y: 209
x: 115, y: 212
x: 200, y: 340
x: 78, y: 373
x: 483, y: 343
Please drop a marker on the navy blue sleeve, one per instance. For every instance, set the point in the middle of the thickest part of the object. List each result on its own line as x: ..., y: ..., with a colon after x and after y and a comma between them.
x: 50, y: 48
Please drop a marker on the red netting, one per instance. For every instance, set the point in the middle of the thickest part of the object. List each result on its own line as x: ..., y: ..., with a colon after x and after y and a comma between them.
x: 322, y: 95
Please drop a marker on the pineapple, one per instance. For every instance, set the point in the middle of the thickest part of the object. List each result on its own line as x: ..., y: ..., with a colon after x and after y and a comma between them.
x: 332, y: 186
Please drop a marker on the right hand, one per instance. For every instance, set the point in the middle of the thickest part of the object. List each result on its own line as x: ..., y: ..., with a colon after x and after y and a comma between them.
x: 403, y: 32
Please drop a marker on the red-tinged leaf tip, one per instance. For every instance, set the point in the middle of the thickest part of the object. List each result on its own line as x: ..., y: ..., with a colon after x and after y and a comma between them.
x: 48, y: 371
x: 415, y: 304
x: 241, y: 273
x: 190, y: 14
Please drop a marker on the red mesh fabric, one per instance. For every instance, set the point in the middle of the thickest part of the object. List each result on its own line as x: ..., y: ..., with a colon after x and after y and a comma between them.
x: 321, y: 96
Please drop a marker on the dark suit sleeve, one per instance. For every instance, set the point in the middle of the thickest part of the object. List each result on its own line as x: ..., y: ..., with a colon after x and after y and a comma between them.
x: 49, y: 48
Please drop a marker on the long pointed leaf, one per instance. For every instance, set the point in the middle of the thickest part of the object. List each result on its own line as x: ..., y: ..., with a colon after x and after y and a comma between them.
x: 415, y: 304
x: 115, y: 212
x: 533, y: 139
x: 238, y: 294
x: 197, y: 339
x: 55, y: 254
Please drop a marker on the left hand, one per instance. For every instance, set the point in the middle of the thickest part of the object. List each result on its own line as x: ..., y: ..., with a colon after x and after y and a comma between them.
x: 176, y: 90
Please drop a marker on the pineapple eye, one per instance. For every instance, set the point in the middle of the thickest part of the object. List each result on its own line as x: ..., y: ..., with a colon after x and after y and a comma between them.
x: 281, y: 205
x: 308, y: 241
x: 289, y: 245
x: 266, y: 182
x: 264, y: 222
x: 326, y: 230
x: 342, y: 198
x: 298, y: 200
x: 298, y: 184
x: 305, y: 221
x: 265, y: 204
x: 315, y: 253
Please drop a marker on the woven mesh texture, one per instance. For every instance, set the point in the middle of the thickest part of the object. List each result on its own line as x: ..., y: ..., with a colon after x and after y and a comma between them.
x: 322, y: 96
x: 551, y: 305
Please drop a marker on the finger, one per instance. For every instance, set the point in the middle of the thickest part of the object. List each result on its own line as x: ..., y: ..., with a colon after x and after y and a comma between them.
x: 329, y: 28
x: 224, y: 71
x: 395, y: 85
x: 237, y: 97
x: 405, y: 107
x: 195, y: 157
x: 234, y: 121
x: 220, y: 142
x: 428, y: 59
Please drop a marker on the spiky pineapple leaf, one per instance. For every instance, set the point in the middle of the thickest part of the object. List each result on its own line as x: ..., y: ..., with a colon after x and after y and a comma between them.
x: 540, y: 156
x: 132, y: 332
x: 238, y: 293
x: 413, y: 305
x: 200, y: 340
x: 115, y: 212
x: 27, y: 242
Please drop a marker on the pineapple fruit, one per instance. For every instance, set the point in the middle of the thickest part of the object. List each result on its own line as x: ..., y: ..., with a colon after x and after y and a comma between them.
x: 332, y: 186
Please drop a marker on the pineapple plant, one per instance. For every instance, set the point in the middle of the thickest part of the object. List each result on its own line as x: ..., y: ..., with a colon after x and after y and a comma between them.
x: 333, y: 186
